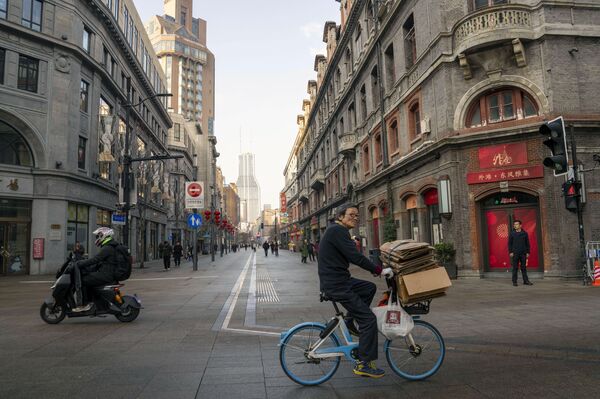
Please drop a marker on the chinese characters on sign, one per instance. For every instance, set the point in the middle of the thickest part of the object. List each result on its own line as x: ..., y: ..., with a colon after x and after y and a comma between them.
x: 505, y: 155
x: 38, y: 248
x: 528, y: 172
x: 282, y: 203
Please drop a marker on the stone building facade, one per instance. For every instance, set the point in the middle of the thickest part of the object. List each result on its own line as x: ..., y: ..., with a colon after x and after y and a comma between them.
x: 427, y: 115
x: 64, y: 72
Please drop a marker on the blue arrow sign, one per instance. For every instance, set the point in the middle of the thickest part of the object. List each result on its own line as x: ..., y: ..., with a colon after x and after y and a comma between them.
x: 194, y: 221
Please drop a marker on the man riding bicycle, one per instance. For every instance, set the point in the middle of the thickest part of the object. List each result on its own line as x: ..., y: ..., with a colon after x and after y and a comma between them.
x: 336, y: 252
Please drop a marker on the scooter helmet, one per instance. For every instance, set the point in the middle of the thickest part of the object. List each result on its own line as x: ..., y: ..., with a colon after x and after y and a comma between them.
x: 102, y: 234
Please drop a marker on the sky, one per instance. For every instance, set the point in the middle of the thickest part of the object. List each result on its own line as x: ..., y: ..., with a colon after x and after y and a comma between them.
x: 264, y: 55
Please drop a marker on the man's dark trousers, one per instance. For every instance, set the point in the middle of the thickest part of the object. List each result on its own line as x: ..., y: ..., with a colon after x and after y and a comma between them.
x: 522, y: 260
x: 167, y: 261
x: 356, y: 297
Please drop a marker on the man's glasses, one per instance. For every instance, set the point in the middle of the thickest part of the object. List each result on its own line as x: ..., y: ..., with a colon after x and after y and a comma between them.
x: 354, y: 215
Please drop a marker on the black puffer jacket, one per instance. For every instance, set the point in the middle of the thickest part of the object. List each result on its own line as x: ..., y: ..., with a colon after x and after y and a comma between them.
x: 104, y: 262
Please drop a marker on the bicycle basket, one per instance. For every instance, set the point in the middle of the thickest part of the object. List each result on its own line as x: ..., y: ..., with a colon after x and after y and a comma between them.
x: 418, y: 307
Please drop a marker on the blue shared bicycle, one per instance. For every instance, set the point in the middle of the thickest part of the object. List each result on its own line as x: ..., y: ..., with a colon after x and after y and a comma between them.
x: 310, y: 353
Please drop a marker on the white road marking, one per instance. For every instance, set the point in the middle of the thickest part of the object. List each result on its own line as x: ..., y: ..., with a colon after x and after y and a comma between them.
x: 252, y: 332
x: 238, y: 288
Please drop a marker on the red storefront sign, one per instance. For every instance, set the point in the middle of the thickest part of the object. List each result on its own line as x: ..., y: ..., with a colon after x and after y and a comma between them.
x: 38, y: 248
x: 504, y: 155
x: 488, y: 176
x: 282, y: 203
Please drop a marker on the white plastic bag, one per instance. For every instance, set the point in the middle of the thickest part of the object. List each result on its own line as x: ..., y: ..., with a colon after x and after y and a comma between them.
x: 392, y: 320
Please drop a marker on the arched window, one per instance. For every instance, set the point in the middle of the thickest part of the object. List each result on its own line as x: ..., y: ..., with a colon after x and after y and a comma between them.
x: 393, y: 134
x: 477, y: 4
x: 500, y: 105
x: 13, y: 149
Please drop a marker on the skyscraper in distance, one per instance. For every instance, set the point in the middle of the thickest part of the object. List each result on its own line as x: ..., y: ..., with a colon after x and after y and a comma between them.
x: 248, y: 189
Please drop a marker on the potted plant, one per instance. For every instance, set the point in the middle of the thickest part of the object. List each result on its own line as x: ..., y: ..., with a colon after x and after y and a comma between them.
x: 444, y: 253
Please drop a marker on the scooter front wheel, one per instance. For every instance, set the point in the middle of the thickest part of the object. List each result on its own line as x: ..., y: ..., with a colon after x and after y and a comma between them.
x: 52, y: 314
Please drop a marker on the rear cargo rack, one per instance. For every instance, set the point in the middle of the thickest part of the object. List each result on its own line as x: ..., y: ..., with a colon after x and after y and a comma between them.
x: 418, y: 307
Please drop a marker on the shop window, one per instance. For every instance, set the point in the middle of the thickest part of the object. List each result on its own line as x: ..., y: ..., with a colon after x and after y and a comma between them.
x: 430, y: 198
x: 393, y: 136
x: 77, y: 225
x: 501, y: 105
x: 477, y: 4
x: 81, y: 149
x: 413, y: 219
x: 32, y: 14
x: 28, y: 74
x: 13, y: 149
x: 410, y: 43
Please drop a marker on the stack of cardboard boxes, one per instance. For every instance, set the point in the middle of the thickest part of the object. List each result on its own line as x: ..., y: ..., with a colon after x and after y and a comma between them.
x: 418, y: 276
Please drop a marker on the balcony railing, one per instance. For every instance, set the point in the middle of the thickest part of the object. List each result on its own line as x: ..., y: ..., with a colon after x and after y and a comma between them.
x: 347, y: 143
x: 303, y: 195
x: 493, y: 20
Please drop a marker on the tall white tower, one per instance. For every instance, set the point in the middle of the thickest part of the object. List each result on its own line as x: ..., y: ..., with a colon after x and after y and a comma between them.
x: 248, y: 189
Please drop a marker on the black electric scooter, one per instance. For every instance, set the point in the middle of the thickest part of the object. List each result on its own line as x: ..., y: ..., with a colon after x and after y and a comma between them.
x: 103, y: 300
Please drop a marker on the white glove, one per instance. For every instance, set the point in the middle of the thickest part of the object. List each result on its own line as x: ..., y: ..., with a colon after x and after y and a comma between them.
x: 387, y: 272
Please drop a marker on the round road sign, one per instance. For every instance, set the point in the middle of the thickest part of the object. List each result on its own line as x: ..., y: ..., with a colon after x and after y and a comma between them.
x: 194, y: 190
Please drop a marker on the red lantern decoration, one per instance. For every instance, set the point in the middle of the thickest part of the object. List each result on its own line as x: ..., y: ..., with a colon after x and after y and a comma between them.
x: 207, y: 216
x: 217, y: 217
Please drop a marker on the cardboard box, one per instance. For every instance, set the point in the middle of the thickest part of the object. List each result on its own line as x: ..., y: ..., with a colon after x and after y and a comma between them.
x: 423, y: 285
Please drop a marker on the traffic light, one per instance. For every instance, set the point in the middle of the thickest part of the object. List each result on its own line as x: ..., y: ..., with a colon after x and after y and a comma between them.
x: 262, y: 226
x: 557, y: 143
x: 571, y: 193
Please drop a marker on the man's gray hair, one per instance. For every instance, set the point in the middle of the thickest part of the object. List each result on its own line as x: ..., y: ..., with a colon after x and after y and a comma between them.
x: 341, y: 210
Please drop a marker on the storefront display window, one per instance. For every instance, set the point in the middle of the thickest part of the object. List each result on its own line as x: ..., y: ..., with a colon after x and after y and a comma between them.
x: 77, y: 226
x: 430, y: 198
x: 15, y: 220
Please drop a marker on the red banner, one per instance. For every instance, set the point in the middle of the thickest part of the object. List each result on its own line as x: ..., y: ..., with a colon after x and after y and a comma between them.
x: 38, y: 248
x: 488, y: 176
x: 282, y: 203
x: 504, y: 155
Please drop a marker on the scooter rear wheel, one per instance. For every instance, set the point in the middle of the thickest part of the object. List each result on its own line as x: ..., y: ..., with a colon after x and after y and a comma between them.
x: 128, y: 315
x: 52, y: 315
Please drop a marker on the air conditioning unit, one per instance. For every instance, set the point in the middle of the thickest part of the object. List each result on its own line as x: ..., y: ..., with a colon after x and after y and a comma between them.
x: 426, y: 125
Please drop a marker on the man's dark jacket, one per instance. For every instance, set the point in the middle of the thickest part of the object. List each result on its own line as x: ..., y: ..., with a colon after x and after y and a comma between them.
x: 518, y: 242
x: 336, y: 252
x: 104, y: 262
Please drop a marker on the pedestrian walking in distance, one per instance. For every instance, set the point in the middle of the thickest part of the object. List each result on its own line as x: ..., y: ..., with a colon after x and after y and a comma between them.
x: 177, y: 253
x: 266, y: 248
x: 518, y: 249
x: 166, y: 254
x: 78, y: 251
x: 311, y: 251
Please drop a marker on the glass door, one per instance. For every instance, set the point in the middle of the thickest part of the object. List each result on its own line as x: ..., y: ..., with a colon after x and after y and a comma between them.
x: 14, y: 248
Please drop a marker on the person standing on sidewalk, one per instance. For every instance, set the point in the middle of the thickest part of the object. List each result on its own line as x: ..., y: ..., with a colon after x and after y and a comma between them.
x: 304, y: 251
x: 166, y: 254
x: 518, y: 249
x: 78, y: 251
x: 266, y: 248
x: 177, y: 253
x: 337, y: 251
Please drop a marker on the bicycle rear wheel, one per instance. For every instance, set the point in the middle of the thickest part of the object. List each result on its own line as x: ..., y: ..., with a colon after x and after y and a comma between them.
x: 294, y: 359
x: 421, y: 360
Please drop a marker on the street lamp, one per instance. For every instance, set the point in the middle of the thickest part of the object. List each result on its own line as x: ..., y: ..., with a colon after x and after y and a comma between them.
x: 128, y: 160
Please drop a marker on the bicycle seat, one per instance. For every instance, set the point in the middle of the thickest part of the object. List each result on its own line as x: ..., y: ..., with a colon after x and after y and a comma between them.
x: 324, y: 297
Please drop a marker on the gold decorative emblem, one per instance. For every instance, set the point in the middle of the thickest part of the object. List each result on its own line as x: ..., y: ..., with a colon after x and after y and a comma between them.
x: 502, y: 158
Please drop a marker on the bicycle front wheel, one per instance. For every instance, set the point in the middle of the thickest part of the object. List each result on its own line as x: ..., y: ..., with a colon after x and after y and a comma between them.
x: 419, y: 358
x: 298, y: 365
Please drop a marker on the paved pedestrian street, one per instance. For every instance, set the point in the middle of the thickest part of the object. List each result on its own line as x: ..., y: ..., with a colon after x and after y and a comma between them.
x: 214, y: 334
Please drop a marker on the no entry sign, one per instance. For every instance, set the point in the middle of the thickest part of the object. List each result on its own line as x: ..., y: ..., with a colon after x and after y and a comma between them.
x: 194, y: 194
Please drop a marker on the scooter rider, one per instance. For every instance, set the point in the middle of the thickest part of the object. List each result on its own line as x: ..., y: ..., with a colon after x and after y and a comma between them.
x: 99, y: 270
x: 336, y: 251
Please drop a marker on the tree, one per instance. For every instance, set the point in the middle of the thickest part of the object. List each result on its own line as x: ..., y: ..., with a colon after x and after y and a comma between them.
x: 389, y: 229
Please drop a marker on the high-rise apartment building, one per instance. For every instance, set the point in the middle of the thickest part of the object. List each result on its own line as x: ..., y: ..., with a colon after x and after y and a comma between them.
x: 248, y: 189
x: 179, y: 40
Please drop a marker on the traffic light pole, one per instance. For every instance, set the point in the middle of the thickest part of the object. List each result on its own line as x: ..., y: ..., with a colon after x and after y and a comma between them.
x: 578, y: 194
